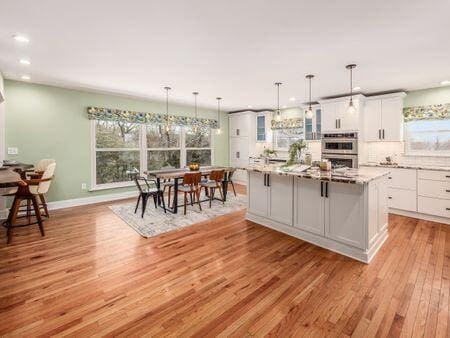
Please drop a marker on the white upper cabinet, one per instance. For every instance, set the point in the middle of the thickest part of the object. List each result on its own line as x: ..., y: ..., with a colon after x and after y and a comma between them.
x: 239, y: 124
x: 335, y: 115
x: 383, y: 118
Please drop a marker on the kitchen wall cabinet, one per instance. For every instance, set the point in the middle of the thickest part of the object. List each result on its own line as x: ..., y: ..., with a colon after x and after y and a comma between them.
x: 383, y: 118
x: 313, y: 126
x: 335, y: 116
x: 239, y: 124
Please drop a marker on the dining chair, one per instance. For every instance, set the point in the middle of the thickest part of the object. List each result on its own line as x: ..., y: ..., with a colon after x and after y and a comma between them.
x: 41, y: 166
x: 168, y: 184
x: 146, y: 191
x: 230, y: 180
x: 214, y: 182
x: 42, y: 187
x: 30, y: 190
x: 191, y: 186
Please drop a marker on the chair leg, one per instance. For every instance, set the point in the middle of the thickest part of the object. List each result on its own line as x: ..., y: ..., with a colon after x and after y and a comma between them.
x: 163, y: 203
x: 12, y: 218
x: 29, y: 211
x: 37, y: 212
x: 221, y: 192
x: 234, y: 190
x: 144, y: 204
x: 198, y: 199
x: 185, y: 202
x: 44, y: 204
x: 211, y: 196
x: 190, y: 195
x: 155, y: 197
x: 168, y: 197
x: 137, y: 204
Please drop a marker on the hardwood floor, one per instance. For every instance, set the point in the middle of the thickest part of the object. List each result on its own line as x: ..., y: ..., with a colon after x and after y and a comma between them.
x: 93, y: 274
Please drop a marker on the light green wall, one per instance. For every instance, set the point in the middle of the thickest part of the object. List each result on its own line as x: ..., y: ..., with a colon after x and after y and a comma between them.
x: 427, y: 96
x: 50, y: 122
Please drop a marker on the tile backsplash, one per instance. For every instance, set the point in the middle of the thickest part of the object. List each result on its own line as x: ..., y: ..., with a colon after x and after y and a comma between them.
x: 378, y: 151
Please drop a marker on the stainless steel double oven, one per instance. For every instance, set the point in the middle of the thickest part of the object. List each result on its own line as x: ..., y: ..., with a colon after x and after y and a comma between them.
x: 341, y: 149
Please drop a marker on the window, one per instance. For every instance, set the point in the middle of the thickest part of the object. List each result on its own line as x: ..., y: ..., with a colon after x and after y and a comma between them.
x: 116, y: 150
x: 427, y: 137
x: 198, y: 145
x: 260, y: 128
x: 283, y: 138
x: 163, y: 149
x: 120, y: 147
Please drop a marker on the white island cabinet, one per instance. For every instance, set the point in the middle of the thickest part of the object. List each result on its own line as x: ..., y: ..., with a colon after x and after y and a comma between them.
x: 347, y: 217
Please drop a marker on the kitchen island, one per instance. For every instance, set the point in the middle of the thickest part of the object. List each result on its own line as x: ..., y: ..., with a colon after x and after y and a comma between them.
x: 347, y: 214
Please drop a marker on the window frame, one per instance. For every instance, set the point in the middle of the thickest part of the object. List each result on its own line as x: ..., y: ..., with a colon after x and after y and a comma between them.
x: 142, y: 155
x: 421, y: 153
x: 275, y: 141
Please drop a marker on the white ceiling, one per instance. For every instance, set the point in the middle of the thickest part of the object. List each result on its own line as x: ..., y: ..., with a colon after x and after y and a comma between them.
x: 235, y: 49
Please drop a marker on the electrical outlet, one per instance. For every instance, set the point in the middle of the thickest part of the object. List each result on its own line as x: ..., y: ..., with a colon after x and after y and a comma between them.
x: 83, y: 186
x: 13, y: 150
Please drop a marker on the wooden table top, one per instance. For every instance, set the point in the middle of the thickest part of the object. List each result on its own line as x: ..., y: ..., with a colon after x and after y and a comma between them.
x: 9, y: 178
x: 179, y: 173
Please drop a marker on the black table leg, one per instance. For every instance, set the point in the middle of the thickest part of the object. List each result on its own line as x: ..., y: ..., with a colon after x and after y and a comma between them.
x: 158, y: 186
x: 175, y: 196
x: 225, y: 187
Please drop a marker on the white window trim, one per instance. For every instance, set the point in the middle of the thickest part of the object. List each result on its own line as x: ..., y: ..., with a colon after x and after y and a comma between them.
x: 142, y: 155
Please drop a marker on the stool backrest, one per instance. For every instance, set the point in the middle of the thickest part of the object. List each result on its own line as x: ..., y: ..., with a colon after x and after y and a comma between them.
x: 216, y: 175
x: 44, y: 163
x: 192, y: 179
x: 44, y: 186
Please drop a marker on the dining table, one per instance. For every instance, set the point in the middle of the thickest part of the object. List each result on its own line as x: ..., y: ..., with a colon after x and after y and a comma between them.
x: 177, y: 174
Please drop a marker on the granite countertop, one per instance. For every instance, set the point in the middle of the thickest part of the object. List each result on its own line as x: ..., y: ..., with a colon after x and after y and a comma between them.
x: 356, y: 176
x: 406, y: 166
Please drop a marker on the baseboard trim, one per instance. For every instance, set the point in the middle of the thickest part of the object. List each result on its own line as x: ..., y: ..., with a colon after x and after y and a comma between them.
x: 76, y: 202
x: 419, y: 215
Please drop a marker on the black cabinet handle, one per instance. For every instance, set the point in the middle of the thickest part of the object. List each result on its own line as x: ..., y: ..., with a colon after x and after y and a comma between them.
x: 335, y: 123
x: 321, y: 189
x: 447, y: 208
x: 448, y: 190
x: 389, y: 177
x: 390, y: 197
x: 379, y: 134
x: 268, y: 180
x: 326, y: 189
x: 447, y: 176
x: 383, y: 134
x: 265, y: 176
x: 339, y: 123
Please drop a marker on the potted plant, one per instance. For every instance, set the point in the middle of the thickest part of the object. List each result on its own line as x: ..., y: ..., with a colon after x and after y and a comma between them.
x: 295, y: 151
x: 194, y: 164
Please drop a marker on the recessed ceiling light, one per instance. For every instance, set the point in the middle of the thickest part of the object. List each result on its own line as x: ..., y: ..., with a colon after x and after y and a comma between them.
x: 25, y: 62
x: 292, y: 99
x: 25, y: 77
x: 21, y: 38
x: 284, y: 106
x: 356, y: 88
x: 249, y: 106
x: 445, y: 83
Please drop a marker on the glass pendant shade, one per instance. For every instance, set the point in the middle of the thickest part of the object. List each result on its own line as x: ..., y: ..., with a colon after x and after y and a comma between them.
x: 309, y: 113
x: 278, y: 116
x: 351, y: 108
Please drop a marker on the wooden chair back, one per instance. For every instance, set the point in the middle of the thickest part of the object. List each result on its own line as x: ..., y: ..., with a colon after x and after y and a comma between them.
x: 216, y: 175
x: 192, y: 179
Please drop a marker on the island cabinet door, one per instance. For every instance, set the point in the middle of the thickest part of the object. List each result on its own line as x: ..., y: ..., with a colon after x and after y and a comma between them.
x: 257, y: 190
x: 309, y: 205
x: 344, y: 213
x: 281, y: 198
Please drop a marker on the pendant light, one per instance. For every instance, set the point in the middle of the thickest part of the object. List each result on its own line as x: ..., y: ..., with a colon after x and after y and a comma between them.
x: 218, y: 131
x: 278, y: 114
x: 167, y: 109
x: 351, y: 108
x: 195, y: 112
x: 309, y: 113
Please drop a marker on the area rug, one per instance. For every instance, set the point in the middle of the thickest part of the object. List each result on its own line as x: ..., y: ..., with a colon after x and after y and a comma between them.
x: 156, y: 222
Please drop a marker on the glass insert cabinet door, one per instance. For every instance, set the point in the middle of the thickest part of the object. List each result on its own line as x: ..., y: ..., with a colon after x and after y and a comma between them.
x: 260, y: 128
x: 313, y: 126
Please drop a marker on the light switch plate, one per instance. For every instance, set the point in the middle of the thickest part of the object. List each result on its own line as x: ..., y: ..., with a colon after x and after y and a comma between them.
x: 13, y: 150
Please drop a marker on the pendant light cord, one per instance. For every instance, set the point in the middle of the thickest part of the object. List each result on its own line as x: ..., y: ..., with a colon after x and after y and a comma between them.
x: 278, y: 97
x: 218, y: 110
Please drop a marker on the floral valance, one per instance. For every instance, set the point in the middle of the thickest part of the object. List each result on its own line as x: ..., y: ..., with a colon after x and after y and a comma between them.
x: 432, y: 112
x: 109, y: 114
x: 292, y: 123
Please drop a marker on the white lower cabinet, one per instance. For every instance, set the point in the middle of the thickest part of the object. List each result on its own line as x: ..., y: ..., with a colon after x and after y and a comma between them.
x: 402, y: 199
x: 257, y: 193
x: 434, y: 206
x: 309, y: 206
x: 344, y: 214
x: 270, y: 196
